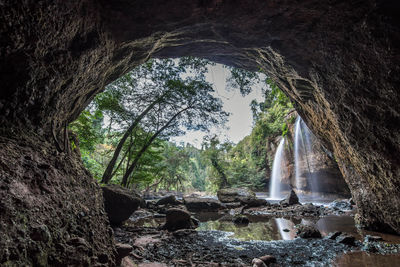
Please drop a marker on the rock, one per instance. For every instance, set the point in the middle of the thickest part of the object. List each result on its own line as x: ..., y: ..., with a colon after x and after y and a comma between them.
x: 40, y: 233
x: 372, y: 238
x: 229, y: 195
x: 333, y: 235
x: 308, y: 231
x: 178, y: 219
x: 341, y: 205
x: 232, y: 205
x: 268, y: 259
x: 258, y: 263
x: 254, y: 202
x: 202, y: 204
x: 168, y: 200
x: 346, y: 239
x: 291, y: 199
x: 123, y: 250
x: 119, y: 203
x: 184, y: 232
x: 78, y: 242
x: 195, y: 222
x: 240, y: 219
x: 127, y: 262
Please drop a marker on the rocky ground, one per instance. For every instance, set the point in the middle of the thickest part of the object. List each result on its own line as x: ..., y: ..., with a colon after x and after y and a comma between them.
x: 208, y: 248
x: 163, y: 234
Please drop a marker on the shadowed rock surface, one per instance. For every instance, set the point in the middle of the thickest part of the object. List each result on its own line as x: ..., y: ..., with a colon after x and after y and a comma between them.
x: 202, y: 204
x: 230, y: 195
x: 51, y: 208
x: 337, y: 61
x: 119, y: 203
x: 290, y: 199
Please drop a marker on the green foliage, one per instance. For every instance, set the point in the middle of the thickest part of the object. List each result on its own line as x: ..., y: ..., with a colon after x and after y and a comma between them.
x: 88, y: 128
x: 176, y: 97
x: 242, y: 79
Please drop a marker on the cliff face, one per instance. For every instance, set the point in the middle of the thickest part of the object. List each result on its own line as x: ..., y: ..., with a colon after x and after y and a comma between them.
x: 51, y: 209
x: 337, y: 60
x: 318, y: 170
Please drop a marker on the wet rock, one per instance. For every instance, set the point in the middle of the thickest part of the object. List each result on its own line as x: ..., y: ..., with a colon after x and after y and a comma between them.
x: 308, y: 231
x: 341, y: 205
x: 168, y: 200
x: 184, y: 232
x: 268, y: 259
x: 232, y: 205
x: 229, y: 195
x: 291, y: 199
x: 258, y: 263
x: 119, y: 203
x: 333, y: 235
x: 346, y: 239
x: 240, y: 219
x: 372, y: 238
x: 254, y: 202
x: 123, y: 250
x: 178, y: 219
x: 196, y: 222
x: 202, y: 204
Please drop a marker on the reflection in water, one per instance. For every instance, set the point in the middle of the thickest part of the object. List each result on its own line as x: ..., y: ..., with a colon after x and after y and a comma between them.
x: 363, y: 259
x: 284, y: 224
x: 253, y: 231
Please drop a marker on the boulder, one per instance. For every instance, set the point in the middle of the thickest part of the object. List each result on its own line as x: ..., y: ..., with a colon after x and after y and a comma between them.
x: 268, y: 259
x: 178, y: 219
x: 232, y: 205
x: 291, y: 199
x: 258, y: 263
x: 123, y: 250
x: 119, y: 203
x: 168, y: 200
x: 346, y: 239
x: 202, y: 204
x: 308, y: 231
x: 333, y: 235
x: 254, y: 202
x: 240, y: 219
x: 228, y: 195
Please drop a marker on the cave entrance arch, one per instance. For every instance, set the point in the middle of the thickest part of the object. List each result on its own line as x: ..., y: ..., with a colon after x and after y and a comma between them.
x: 336, y: 61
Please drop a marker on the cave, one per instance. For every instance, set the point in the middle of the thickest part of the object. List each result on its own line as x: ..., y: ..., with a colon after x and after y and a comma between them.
x: 338, y: 61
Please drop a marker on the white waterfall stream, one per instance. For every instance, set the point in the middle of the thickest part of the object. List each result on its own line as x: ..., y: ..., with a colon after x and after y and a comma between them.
x: 276, y: 175
x: 302, y: 152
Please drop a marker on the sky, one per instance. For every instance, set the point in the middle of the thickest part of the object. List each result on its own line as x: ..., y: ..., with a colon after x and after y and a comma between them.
x: 240, y: 121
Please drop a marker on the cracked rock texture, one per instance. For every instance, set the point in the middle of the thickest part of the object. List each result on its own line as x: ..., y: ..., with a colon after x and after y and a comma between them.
x: 51, y: 209
x: 338, y: 61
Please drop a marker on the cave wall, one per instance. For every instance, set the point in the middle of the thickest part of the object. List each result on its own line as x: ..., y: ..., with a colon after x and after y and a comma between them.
x: 51, y: 208
x: 337, y: 61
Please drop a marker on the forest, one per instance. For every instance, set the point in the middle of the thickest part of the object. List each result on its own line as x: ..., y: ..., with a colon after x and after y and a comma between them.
x: 123, y: 135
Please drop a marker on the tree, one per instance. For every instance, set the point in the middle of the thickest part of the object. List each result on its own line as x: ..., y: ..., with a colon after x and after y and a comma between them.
x: 129, y: 100
x: 190, y: 106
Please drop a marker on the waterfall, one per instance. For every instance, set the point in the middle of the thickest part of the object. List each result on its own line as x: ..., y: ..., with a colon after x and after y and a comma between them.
x: 303, y: 139
x: 297, y: 154
x: 276, y: 175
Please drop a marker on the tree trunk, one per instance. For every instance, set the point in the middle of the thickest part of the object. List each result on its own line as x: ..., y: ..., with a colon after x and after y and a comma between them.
x: 147, y: 145
x: 108, y: 173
